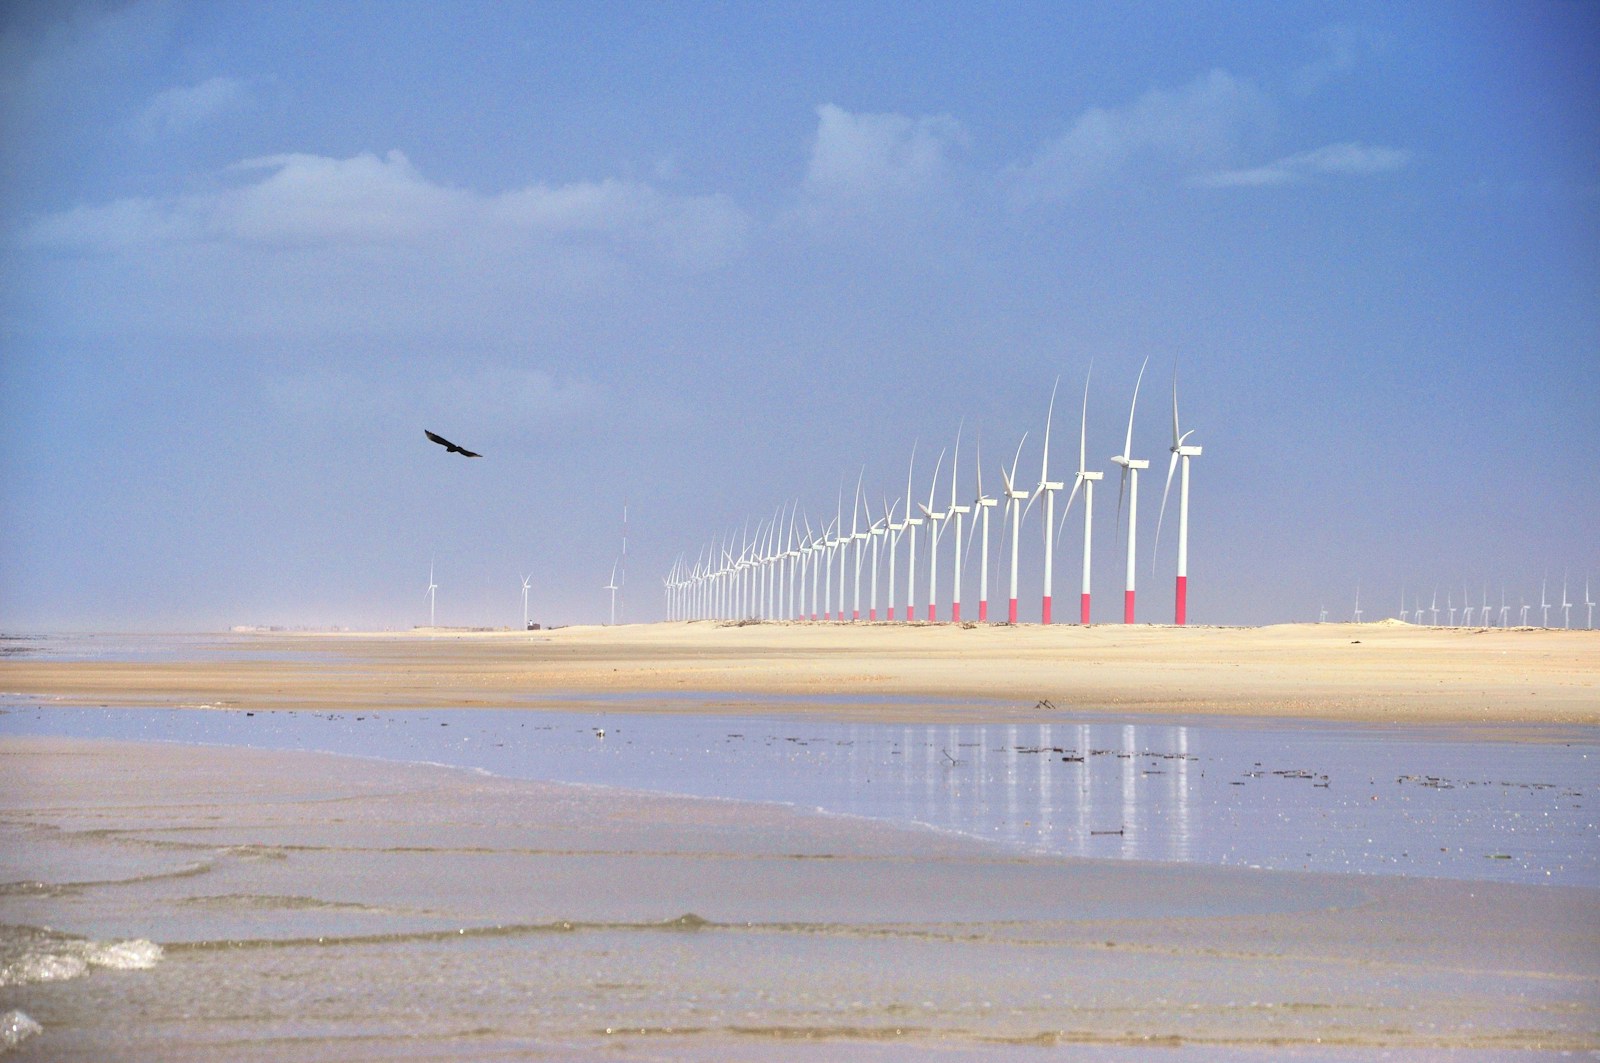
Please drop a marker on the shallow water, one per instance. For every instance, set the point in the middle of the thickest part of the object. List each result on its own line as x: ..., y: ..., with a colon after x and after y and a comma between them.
x: 1283, y: 795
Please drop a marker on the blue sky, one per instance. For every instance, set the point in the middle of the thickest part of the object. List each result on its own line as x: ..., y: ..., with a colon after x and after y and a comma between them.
x: 705, y: 259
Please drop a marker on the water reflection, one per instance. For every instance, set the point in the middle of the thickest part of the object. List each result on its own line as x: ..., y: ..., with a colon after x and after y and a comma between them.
x: 1284, y: 795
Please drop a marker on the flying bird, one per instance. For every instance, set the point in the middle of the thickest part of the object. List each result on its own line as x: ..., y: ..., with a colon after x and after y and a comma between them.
x: 451, y: 447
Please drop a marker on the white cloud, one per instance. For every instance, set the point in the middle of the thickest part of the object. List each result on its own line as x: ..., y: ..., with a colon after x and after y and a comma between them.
x: 1349, y: 159
x: 866, y: 156
x: 1344, y: 47
x: 316, y: 202
x: 1162, y: 134
x: 186, y: 107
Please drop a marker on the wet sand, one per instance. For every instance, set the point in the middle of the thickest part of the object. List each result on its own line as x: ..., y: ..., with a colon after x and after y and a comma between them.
x: 316, y: 907
x: 1378, y: 672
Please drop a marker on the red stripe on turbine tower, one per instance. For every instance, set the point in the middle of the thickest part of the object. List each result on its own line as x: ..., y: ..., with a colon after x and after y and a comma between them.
x: 1083, y: 612
x: 1127, y: 607
x: 1181, y: 610
x: 1044, y: 610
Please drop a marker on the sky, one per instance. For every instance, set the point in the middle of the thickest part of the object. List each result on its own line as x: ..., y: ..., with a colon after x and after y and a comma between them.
x: 703, y: 260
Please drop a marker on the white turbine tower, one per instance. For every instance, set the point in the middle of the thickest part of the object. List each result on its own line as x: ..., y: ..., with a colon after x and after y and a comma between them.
x: 1086, y: 480
x: 912, y: 523
x: 1566, y: 606
x: 896, y: 529
x: 984, y: 504
x: 1434, y: 608
x: 1404, y: 612
x: 1181, y: 452
x: 1466, y: 606
x: 432, y: 589
x: 1588, y: 602
x: 1544, y: 604
x: 1505, y: 610
x: 1048, y: 488
x: 1129, y: 487
x: 1014, y: 499
x: 1356, y: 616
x: 879, y: 530
x: 957, y: 512
x: 1450, y: 605
x: 858, y: 537
x: 1525, y: 608
x: 611, y: 585
x: 934, y: 520
x: 526, y: 580
x: 1322, y: 616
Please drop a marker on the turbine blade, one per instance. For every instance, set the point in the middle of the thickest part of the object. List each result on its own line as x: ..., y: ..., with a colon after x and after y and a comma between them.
x: 1172, y: 467
x: 1127, y: 444
x: 1083, y: 427
x: 1044, y: 466
x: 1122, y: 488
x: 1016, y: 458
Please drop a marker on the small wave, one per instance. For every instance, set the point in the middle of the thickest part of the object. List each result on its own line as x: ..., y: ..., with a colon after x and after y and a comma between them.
x: 15, y: 1028
x: 29, y: 955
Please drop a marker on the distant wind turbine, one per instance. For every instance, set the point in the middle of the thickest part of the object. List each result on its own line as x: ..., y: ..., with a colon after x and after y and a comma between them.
x: 1356, y: 616
x: 432, y: 593
x: 1403, y: 611
x: 1128, y: 487
x: 1566, y: 606
x: 1086, y: 480
x: 611, y: 585
x: 958, y: 513
x: 1047, y: 489
x: 1434, y: 609
x: 526, y: 580
x: 1505, y: 610
x: 1014, y: 498
x: 935, y: 519
x: 1466, y: 606
x: 1544, y: 604
x: 984, y: 504
x: 1588, y: 601
x: 1181, y: 452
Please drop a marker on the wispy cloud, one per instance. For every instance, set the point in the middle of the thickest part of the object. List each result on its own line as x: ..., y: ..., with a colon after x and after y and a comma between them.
x: 1343, y: 47
x: 865, y: 165
x: 312, y: 201
x: 186, y: 107
x: 1348, y: 159
x: 1161, y: 135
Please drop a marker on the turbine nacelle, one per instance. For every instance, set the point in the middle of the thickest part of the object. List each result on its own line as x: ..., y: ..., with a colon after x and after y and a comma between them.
x: 1130, y: 463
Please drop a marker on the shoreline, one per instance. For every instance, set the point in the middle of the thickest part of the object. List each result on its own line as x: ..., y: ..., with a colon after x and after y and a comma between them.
x: 702, y: 929
x: 1380, y: 672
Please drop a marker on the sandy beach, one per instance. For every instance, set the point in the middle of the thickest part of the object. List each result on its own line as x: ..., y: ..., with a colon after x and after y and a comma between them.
x: 250, y: 905
x: 1383, y: 672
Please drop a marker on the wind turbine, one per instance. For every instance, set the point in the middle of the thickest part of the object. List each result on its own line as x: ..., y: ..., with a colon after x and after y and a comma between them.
x: 432, y: 593
x: 984, y: 504
x: 1450, y: 604
x: 1180, y: 452
x: 1588, y: 601
x: 1544, y: 606
x: 1014, y: 498
x: 858, y: 537
x: 1434, y: 609
x: 1048, y: 488
x: 1505, y: 610
x: 958, y: 512
x: 1086, y: 480
x: 525, y: 581
x: 1322, y: 617
x: 1130, y: 479
x: 878, y: 531
x: 611, y: 585
x: 1466, y: 606
x: 934, y: 520
x: 1356, y: 616
x: 1525, y: 608
x: 1566, y: 606
x: 1403, y: 611
x: 911, y: 545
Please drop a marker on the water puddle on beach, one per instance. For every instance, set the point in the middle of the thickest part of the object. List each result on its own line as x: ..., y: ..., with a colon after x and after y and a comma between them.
x: 1281, y: 795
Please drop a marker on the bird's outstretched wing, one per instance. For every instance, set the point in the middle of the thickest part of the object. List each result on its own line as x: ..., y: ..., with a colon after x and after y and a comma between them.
x: 451, y: 447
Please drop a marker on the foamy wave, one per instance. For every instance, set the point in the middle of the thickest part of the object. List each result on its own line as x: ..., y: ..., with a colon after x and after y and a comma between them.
x: 29, y: 955
x: 15, y: 1028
